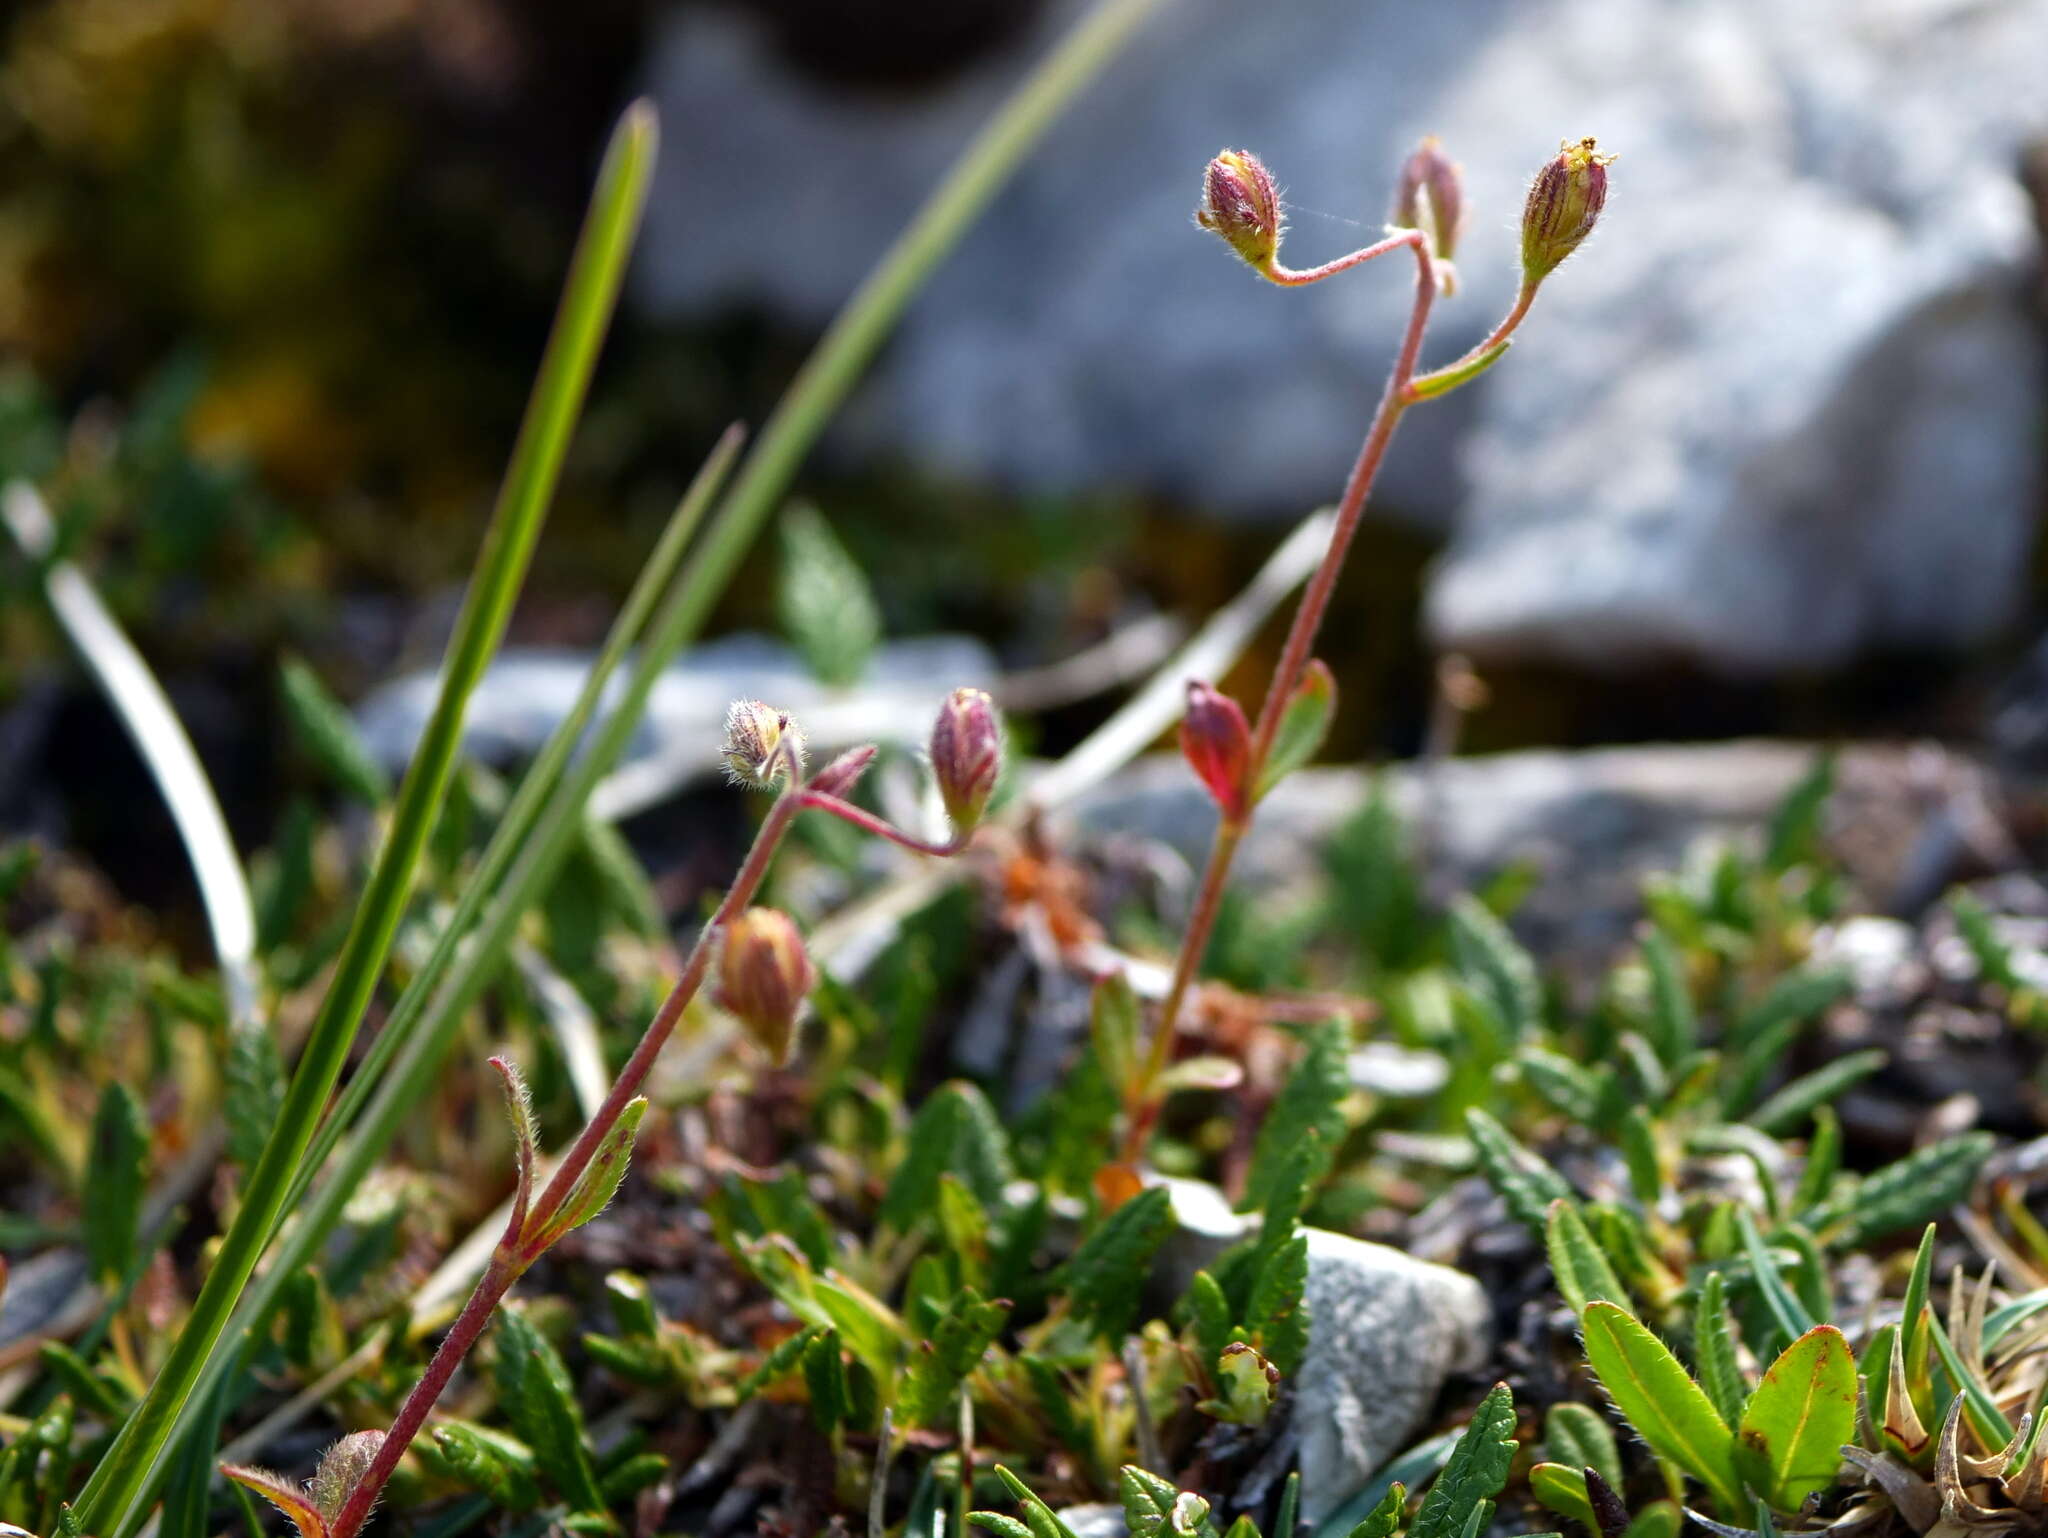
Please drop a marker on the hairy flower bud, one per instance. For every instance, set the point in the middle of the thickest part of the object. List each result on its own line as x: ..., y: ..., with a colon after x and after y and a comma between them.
x: 762, y: 744
x: 764, y: 975
x: 1240, y: 203
x: 843, y: 773
x: 1431, y: 198
x: 967, y: 755
x: 1217, y: 742
x: 1564, y: 203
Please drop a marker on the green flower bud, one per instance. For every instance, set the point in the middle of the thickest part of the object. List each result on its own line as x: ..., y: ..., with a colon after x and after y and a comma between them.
x: 1564, y: 202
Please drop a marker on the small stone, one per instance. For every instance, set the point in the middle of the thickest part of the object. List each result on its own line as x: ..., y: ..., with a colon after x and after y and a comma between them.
x: 1095, y: 1519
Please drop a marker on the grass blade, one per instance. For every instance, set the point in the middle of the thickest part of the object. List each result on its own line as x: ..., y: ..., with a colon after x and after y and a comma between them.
x: 153, y: 726
x: 110, y: 1501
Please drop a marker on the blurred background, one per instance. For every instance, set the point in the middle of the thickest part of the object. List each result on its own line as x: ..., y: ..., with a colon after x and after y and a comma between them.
x: 1767, y: 461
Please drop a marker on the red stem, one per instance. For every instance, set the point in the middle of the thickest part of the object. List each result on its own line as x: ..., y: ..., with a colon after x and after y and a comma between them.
x: 511, y: 1259
x: 1292, y: 277
x: 1301, y: 636
x: 868, y: 822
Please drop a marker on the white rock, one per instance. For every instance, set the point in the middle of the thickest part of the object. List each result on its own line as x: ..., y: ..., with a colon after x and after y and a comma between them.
x: 1783, y: 408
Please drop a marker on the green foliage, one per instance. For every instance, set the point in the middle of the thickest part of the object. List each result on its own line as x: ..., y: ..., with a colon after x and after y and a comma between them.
x: 1461, y: 1500
x: 823, y: 600
x: 1106, y: 1272
x: 1304, y: 1127
x: 114, y: 1174
x: 1663, y: 1404
x: 956, y: 1132
x: 1788, y: 1442
x: 537, y: 1397
x: 328, y: 735
x: 1498, y: 969
x: 1525, y: 1182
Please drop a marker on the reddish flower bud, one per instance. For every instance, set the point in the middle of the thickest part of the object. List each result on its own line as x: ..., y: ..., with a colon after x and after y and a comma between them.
x: 762, y: 744
x: 764, y: 975
x: 1216, y: 740
x: 844, y: 772
x: 1240, y: 203
x: 1564, y: 203
x: 967, y: 755
x: 1431, y: 198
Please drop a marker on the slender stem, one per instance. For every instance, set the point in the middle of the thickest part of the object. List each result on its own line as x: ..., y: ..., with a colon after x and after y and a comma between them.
x: 511, y: 1259
x: 868, y: 822
x: 1524, y: 297
x: 1294, y: 656
x: 1293, y: 277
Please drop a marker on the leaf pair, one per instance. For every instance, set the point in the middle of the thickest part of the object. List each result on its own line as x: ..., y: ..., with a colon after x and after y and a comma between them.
x: 527, y: 1240
x: 1787, y: 1442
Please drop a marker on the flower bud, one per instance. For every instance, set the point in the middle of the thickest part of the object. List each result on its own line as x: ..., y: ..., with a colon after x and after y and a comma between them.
x: 844, y: 772
x: 1240, y: 203
x: 762, y: 744
x: 967, y: 755
x: 1216, y: 741
x: 1564, y: 202
x: 1431, y: 198
x: 764, y: 975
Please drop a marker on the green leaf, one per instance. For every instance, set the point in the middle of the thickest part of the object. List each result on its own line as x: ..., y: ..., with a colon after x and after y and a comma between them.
x: 490, y: 1464
x: 956, y: 1132
x: 1789, y: 1441
x: 1785, y: 1309
x: 995, y: 1522
x: 1639, y: 1151
x: 1974, y: 923
x: 1107, y: 1272
x: 1304, y: 723
x: 1148, y: 1502
x: 536, y: 1396
x: 1823, y: 1161
x: 1525, y: 1182
x: 1385, y: 1518
x: 1247, y: 1387
x: 1113, y: 1029
x: 825, y: 1377
x: 1786, y: 1109
x: 939, y: 1366
x: 1675, y: 1028
x: 785, y: 1358
x: 1578, y: 1264
x: 1277, y: 1312
x: 1713, y: 1345
x: 1310, y: 1104
x: 253, y: 1091
x: 116, y: 1170
x: 1668, y: 1410
x: 1926, y: 1182
x: 1563, y: 1490
x: 1493, y: 962
x: 1040, y: 1518
x: 1913, y: 1310
x: 1209, y: 1316
x: 324, y: 729
x: 1476, y: 1472
x: 1443, y: 380
x: 341, y: 1468
x: 823, y: 600
x: 1570, y: 1087
x: 1579, y: 1437
x: 1795, y: 834
x: 599, y: 1182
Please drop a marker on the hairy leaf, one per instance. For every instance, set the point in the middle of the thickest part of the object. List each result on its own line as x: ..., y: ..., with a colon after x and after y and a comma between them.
x: 1578, y: 1264
x: 1668, y: 1410
x: 1106, y: 1273
x: 1713, y: 1346
x: 537, y: 1397
x: 1525, y: 1182
x: 1789, y: 1441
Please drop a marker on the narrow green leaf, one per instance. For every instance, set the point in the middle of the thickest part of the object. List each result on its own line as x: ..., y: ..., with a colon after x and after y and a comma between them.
x: 1563, y: 1490
x: 1823, y: 1161
x: 1913, y: 1311
x: 939, y: 1365
x: 1926, y: 1182
x: 1785, y: 1110
x: 824, y: 1369
x: 488, y: 1463
x: 1668, y: 1410
x: 1442, y: 381
x: 1579, y: 1437
x: 1789, y: 1441
x: 1209, y: 1316
x: 1040, y: 1518
x: 1713, y: 1346
x: 824, y: 602
x: 1385, y: 1518
x: 1795, y: 832
x: 325, y: 730
x: 784, y: 1358
x: 1106, y: 1273
x: 1310, y: 1105
x: 253, y: 1090
x: 600, y: 1180
x: 956, y: 1131
x: 116, y: 1172
x: 1785, y: 1309
x: 536, y: 1396
x: 1525, y: 1182
x: 1495, y: 964
x: 1577, y: 1263
x: 1477, y: 1470
x: 1277, y: 1313
x: 1674, y: 1026
x: 1986, y: 1419
x: 1304, y: 723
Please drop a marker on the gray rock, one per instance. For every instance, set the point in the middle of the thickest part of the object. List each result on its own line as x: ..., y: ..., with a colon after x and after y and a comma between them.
x: 528, y: 690
x: 1095, y: 1519
x: 1385, y: 1332
x: 1592, y: 823
x: 1785, y: 407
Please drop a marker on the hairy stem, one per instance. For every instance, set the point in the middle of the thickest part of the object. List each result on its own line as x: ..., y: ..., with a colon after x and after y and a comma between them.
x: 868, y: 822
x: 1294, y: 656
x: 512, y: 1257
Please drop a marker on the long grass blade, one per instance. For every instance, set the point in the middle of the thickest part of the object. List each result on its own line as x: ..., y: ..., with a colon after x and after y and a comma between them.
x: 153, y: 726
x: 110, y: 1502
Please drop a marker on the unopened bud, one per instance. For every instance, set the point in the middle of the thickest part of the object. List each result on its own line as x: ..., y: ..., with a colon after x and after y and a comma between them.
x: 844, y: 772
x: 1217, y: 742
x: 1240, y: 203
x: 1564, y: 203
x: 1431, y: 198
x: 764, y: 975
x: 762, y: 744
x: 967, y: 755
